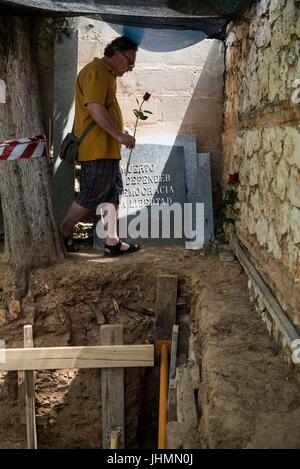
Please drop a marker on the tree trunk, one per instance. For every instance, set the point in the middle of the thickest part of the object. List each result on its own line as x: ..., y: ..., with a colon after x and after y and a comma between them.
x: 31, y: 232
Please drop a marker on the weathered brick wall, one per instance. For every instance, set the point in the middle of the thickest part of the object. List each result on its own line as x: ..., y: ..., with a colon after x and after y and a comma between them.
x: 262, y: 141
x: 186, y: 87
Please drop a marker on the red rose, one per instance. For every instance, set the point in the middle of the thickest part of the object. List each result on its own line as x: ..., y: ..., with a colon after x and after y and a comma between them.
x: 146, y: 96
x: 233, y: 178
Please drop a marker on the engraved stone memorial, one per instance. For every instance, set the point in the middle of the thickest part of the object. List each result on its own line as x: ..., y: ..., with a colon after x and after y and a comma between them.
x: 161, y: 203
x: 154, y: 182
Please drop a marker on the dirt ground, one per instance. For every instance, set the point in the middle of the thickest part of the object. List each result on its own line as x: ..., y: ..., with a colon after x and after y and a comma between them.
x: 248, y: 397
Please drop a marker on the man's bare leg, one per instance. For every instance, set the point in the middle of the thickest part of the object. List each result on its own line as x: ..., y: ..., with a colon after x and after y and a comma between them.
x: 75, y: 214
x: 110, y: 213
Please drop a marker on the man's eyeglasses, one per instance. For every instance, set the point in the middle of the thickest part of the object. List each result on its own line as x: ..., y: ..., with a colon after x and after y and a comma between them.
x: 131, y: 65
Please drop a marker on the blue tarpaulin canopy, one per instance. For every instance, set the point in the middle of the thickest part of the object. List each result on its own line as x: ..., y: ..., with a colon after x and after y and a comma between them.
x: 159, y: 25
x: 160, y: 40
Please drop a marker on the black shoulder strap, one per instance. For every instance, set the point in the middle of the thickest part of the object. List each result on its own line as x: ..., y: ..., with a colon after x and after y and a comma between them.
x: 86, y: 131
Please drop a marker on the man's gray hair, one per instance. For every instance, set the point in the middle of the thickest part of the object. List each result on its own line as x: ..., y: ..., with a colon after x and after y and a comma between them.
x: 119, y: 44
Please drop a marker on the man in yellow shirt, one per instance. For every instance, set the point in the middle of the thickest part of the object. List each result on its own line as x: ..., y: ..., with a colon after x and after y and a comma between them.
x: 100, y: 150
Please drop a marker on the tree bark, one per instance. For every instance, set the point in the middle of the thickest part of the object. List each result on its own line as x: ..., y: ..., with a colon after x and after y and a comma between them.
x: 31, y: 233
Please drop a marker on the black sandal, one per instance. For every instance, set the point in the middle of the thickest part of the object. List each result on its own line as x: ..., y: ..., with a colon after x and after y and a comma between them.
x: 114, y: 251
x: 70, y: 247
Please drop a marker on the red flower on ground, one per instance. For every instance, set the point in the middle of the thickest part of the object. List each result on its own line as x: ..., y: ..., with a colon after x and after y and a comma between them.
x: 233, y: 178
x: 146, y: 96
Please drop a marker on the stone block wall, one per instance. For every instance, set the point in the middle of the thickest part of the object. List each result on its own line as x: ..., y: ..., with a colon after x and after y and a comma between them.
x: 261, y: 140
x: 186, y: 88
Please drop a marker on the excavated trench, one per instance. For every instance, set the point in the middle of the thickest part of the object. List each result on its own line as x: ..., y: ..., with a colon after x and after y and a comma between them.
x: 66, y: 305
x: 246, y: 395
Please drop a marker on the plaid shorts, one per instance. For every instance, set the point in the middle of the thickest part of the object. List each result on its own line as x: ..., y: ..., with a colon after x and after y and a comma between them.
x: 100, y: 181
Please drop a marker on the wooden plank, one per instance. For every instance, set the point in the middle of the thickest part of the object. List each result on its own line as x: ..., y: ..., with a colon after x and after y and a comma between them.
x: 112, y: 380
x: 21, y: 387
x: 173, y: 358
x: 172, y: 394
x: 284, y: 325
x: 53, y: 358
x: 165, y: 318
x: 186, y: 409
x: 172, y: 401
x: 166, y: 299
x: 114, y: 440
x: 174, y: 438
x: 29, y: 381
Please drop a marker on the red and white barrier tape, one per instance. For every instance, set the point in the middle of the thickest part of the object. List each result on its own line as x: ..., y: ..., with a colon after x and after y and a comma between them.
x: 23, y: 148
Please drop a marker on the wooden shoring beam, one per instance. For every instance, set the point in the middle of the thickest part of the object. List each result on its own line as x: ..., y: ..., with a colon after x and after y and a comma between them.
x: 166, y: 300
x: 112, y: 392
x: 172, y: 395
x: 284, y: 325
x: 165, y: 318
x: 53, y: 358
x: 29, y: 384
